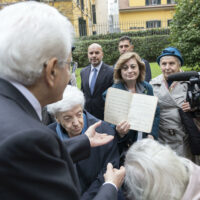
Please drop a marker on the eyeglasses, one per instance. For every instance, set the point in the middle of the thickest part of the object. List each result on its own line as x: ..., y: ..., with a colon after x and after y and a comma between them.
x: 73, y: 65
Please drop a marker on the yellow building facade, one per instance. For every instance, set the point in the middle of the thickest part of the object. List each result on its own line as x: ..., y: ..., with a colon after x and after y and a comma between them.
x: 145, y: 14
x: 81, y: 13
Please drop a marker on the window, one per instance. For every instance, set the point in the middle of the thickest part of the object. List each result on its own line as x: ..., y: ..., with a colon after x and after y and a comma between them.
x: 82, y: 27
x: 169, y: 22
x: 153, y: 24
x: 82, y: 4
x: 94, y: 14
x: 77, y: 1
x: 152, y: 2
x: 171, y: 1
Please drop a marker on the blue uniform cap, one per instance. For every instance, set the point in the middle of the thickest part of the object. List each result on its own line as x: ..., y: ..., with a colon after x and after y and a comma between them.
x: 170, y: 51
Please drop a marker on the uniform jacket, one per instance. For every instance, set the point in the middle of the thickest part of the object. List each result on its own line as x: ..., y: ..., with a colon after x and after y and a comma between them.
x: 94, y: 103
x: 34, y: 162
x: 91, y: 170
x: 171, y: 130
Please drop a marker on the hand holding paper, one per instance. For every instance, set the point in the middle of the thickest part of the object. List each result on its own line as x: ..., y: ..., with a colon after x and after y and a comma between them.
x: 137, y: 109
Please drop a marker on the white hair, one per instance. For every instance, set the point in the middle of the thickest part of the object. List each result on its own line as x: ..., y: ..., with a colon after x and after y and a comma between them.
x: 177, y: 59
x: 72, y: 97
x: 32, y: 33
x: 155, y: 172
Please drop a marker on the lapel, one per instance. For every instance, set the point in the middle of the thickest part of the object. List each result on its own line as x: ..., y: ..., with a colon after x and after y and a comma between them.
x: 100, y: 78
x: 165, y: 96
x: 9, y: 91
x: 87, y: 75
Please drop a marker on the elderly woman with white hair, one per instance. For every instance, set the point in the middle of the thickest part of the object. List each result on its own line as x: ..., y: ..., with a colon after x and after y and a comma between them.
x: 73, y: 120
x: 156, y: 172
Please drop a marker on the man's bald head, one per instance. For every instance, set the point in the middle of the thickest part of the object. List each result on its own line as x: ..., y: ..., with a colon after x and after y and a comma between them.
x: 95, y: 54
x: 95, y: 45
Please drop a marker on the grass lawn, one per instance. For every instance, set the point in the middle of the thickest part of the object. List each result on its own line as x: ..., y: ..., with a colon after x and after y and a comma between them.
x: 155, y: 71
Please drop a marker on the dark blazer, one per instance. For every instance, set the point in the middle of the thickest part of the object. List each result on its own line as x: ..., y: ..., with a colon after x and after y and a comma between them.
x: 148, y: 70
x: 94, y: 103
x: 34, y: 162
x: 91, y: 170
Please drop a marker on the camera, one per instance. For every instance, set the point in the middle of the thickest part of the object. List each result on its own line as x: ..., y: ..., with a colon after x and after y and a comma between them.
x: 193, y: 94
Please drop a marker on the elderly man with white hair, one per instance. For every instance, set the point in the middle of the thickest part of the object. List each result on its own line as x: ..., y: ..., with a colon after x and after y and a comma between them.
x: 156, y: 172
x: 72, y: 121
x: 35, y: 55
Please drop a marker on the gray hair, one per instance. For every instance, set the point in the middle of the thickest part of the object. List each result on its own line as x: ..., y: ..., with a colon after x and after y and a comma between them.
x: 176, y: 58
x: 154, y: 172
x: 72, y: 97
x: 32, y: 33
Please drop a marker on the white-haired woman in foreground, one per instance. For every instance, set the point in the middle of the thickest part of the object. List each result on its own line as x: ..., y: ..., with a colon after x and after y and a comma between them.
x: 155, y: 172
x: 72, y: 121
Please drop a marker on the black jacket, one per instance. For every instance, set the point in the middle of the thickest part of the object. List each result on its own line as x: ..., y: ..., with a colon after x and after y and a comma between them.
x: 34, y: 162
x: 94, y: 103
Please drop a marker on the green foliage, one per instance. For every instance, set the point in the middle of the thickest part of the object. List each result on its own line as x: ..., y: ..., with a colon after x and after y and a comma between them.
x: 185, y: 31
x: 155, y: 69
x: 148, y: 47
x: 143, y: 33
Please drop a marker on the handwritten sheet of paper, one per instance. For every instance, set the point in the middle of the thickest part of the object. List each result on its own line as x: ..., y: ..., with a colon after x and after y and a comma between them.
x: 137, y: 109
x: 116, y: 105
x: 142, y: 112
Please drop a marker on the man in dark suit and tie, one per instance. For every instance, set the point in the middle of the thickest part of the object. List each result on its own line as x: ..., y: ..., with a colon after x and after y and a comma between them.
x: 95, y: 79
x: 35, y: 55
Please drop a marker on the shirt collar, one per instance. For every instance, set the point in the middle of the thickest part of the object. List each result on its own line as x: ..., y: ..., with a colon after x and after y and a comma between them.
x: 29, y: 96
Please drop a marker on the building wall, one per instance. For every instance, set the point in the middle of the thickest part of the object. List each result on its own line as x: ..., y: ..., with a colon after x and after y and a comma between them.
x: 71, y: 10
x: 74, y: 12
x: 142, y: 2
x: 102, y: 11
x: 138, y: 16
x: 136, y: 3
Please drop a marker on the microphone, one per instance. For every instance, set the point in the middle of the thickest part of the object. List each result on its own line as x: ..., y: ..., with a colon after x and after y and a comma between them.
x: 183, y: 76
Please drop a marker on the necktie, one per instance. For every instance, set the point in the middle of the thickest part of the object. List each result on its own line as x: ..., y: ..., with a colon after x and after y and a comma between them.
x: 93, y: 81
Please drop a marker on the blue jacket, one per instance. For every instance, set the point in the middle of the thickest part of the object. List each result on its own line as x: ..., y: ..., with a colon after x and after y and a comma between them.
x: 131, y: 137
x: 91, y: 170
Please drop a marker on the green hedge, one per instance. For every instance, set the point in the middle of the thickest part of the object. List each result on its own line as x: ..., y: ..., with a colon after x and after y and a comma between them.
x: 145, y: 33
x: 148, y: 47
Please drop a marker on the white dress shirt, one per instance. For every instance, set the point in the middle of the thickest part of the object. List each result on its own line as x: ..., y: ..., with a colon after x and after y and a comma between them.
x: 92, y: 71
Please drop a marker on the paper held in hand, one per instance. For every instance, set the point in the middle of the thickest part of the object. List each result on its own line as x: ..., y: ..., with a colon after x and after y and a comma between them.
x: 137, y: 109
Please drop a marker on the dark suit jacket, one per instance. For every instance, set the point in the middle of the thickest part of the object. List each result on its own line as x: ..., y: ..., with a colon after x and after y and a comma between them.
x: 148, y: 70
x: 34, y: 162
x: 91, y: 170
x: 94, y: 103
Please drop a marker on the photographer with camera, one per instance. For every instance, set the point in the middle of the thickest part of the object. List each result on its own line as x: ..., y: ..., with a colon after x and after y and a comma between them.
x: 172, y: 97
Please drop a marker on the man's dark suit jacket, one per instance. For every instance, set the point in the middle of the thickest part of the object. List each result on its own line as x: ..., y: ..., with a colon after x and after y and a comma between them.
x: 148, y: 70
x: 34, y: 162
x: 91, y: 170
x: 94, y: 102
